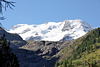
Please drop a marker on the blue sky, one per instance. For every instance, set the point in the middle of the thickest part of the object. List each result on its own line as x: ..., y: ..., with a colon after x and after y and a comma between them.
x: 41, y: 11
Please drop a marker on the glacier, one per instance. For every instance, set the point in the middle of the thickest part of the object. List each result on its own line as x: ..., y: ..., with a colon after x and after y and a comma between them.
x: 52, y: 31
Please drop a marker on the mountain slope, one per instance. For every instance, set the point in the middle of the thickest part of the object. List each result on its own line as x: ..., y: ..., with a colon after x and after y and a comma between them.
x: 84, y: 52
x: 9, y: 36
x: 15, y: 39
x: 52, y: 31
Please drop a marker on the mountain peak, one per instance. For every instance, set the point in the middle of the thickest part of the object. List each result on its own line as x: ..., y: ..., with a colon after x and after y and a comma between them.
x: 52, y: 31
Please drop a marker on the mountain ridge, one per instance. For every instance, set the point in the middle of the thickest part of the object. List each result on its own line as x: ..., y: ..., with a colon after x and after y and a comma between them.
x: 52, y: 31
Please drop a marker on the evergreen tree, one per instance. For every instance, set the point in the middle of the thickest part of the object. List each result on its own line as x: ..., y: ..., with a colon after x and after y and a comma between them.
x: 56, y: 64
x: 69, y: 63
x: 64, y: 64
x: 7, y: 4
x: 7, y: 58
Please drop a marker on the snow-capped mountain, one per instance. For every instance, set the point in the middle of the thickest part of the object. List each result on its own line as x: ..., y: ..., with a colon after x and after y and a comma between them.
x: 52, y: 31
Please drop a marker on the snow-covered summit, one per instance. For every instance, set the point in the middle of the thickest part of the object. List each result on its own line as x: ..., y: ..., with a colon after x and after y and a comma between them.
x: 52, y: 31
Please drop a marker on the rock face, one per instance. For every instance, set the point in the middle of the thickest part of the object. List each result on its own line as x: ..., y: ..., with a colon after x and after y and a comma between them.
x: 52, y: 31
x: 40, y: 53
